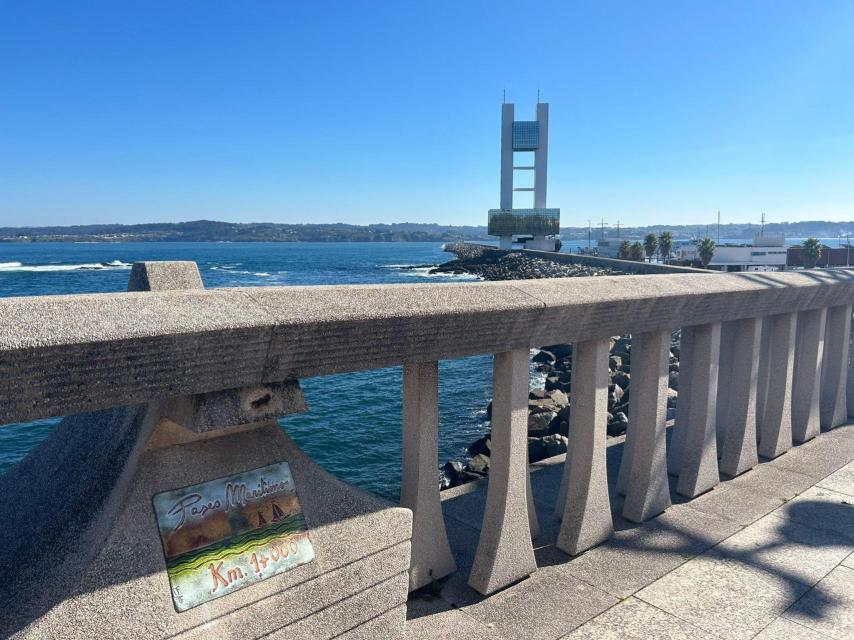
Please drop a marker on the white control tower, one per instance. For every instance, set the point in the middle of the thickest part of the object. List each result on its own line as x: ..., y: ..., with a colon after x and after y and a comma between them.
x: 538, y: 225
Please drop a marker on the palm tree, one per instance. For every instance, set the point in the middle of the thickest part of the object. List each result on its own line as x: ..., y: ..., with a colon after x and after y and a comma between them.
x: 665, y: 245
x: 636, y: 252
x: 650, y: 245
x: 624, y: 250
x: 706, y: 250
x: 811, y: 252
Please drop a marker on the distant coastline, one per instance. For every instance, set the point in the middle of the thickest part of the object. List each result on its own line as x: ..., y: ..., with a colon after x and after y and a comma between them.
x: 213, y: 231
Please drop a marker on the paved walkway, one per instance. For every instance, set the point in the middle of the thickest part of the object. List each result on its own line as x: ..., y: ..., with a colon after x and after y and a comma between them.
x: 767, y: 555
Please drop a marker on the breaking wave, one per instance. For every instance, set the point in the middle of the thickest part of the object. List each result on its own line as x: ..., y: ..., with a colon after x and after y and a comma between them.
x: 90, y: 266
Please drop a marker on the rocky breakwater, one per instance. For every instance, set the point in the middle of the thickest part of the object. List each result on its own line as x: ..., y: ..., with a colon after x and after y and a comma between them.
x: 492, y: 264
x: 549, y: 407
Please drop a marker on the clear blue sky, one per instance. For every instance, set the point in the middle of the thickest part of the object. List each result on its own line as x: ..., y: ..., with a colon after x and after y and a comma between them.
x: 379, y: 112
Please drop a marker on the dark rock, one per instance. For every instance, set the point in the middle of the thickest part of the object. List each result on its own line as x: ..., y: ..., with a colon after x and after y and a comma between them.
x: 489, y: 411
x: 479, y: 464
x: 621, y: 379
x: 536, y: 450
x: 559, y: 398
x: 452, y: 470
x: 673, y: 380
x: 672, y: 396
x: 618, y: 425
x: 555, y: 445
x: 560, y: 351
x: 538, y: 423
x: 537, y: 394
x: 481, y: 445
x: 544, y: 356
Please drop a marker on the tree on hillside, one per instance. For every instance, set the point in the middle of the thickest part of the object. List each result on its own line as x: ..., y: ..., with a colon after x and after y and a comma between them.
x: 665, y: 245
x: 706, y: 250
x: 650, y: 245
x: 625, y: 250
x: 636, y: 252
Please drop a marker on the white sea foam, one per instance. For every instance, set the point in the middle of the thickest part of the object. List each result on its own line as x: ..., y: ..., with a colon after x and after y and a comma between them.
x: 424, y: 272
x: 91, y: 266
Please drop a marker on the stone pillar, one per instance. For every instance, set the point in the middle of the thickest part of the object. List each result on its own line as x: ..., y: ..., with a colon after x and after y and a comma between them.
x: 737, y: 409
x: 775, y: 435
x: 724, y: 381
x: 504, y: 552
x: 850, y: 377
x: 431, y: 556
x: 683, y: 401
x: 834, y: 372
x: 763, y: 374
x: 698, y: 471
x: 806, y: 377
x: 587, y: 512
x: 644, y: 470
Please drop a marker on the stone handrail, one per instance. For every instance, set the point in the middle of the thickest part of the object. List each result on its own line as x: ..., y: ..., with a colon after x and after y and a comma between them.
x: 763, y: 364
x: 66, y: 354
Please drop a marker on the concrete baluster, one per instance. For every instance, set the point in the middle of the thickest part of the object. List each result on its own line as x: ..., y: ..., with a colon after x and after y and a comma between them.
x: 698, y: 471
x: 431, y: 556
x: 683, y: 401
x: 587, y: 513
x: 834, y: 372
x: 504, y: 552
x: 775, y: 435
x: 737, y: 411
x: 644, y: 471
x: 809, y: 349
x: 763, y: 374
x: 849, y: 383
x: 724, y: 382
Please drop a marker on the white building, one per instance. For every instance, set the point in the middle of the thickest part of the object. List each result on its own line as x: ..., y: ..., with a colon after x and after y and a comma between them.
x: 610, y: 247
x: 537, y: 225
x: 767, y: 253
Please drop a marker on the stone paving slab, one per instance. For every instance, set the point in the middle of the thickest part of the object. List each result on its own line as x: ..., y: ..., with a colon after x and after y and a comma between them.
x: 435, y: 619
x: 821, y: 508
x: 544, y: 607
x: 841, y: 481
x: 633, y: 619
x: 740, y: 504
x: 782, y: 629
x: 723, y: 596
x: 769, y: 554
x: 636, y: 557
x: 829, y: 606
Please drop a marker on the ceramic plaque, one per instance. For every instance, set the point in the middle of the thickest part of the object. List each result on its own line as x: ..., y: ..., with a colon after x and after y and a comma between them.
x: 229, y: 533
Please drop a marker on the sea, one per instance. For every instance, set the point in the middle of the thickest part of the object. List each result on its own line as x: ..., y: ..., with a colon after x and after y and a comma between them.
x: 353, y: 426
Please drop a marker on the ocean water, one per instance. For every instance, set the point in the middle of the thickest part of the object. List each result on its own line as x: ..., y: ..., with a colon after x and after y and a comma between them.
x: 352, y: 427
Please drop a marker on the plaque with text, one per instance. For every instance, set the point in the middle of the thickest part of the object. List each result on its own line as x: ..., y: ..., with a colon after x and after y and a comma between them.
x: 229, y: 533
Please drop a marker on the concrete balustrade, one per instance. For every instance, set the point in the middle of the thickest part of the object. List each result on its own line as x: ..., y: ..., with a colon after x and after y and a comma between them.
x: 200, y: 376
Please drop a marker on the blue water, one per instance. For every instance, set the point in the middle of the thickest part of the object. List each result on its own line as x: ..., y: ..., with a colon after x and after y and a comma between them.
x: 352, y: 427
